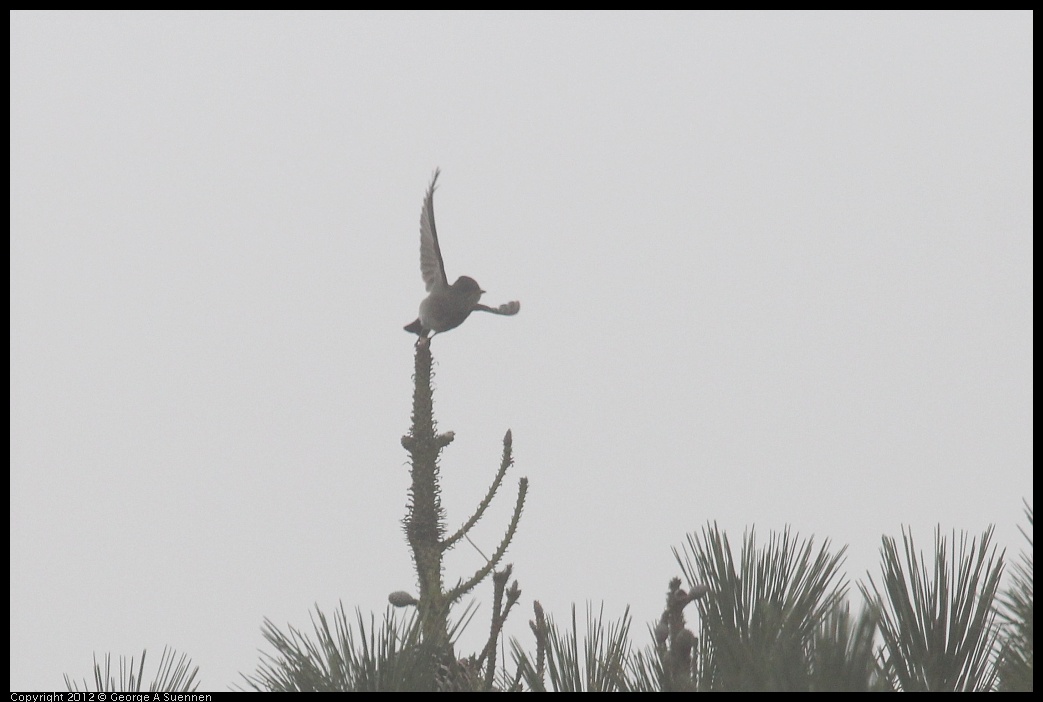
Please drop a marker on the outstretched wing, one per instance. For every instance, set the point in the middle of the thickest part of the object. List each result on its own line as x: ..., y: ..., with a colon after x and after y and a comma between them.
x: 507, y: 308
x: 431, y: 267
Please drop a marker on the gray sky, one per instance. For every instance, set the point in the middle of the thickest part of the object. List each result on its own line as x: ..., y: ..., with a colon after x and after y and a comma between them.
x: 774, y: 269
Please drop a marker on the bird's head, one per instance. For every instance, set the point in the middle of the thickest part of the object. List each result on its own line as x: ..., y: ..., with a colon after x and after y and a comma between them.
x: 469, y: 288
x: 464, y: 284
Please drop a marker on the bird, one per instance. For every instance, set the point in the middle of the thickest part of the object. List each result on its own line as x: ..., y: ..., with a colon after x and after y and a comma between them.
x: 446, y: 306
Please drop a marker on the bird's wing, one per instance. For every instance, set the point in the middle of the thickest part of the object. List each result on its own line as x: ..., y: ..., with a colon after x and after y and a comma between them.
x: 431, y: 267
x: 507, y: 308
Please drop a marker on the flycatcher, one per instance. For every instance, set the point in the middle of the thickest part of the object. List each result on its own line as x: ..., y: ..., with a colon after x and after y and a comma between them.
x: 446, y: 306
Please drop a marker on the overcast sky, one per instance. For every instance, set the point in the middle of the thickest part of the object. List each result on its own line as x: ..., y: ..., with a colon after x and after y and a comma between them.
x: 774, y: 269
